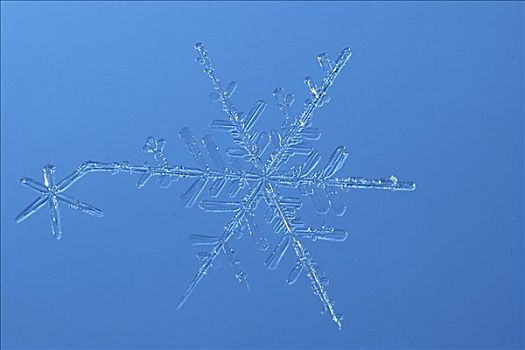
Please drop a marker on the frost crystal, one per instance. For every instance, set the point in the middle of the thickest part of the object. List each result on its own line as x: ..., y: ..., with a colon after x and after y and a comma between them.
x: 233, y: 189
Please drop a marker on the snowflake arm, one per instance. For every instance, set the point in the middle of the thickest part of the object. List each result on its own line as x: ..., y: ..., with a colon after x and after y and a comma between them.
x: 303, y: 121
x: 221, y: 244
x: 53, y: 194
x: 251, y: 144
x: 306, y: 175
x: 210, y: 257
x: 284, y: 215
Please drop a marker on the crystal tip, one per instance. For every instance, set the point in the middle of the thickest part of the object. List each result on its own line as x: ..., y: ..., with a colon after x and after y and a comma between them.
x: 49, y: 168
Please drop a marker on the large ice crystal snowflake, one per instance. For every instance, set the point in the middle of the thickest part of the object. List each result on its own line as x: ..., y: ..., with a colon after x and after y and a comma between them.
x: 239, y: 190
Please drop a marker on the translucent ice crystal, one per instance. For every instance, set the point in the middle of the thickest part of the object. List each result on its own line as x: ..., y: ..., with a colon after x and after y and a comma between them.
x: 236, y: 181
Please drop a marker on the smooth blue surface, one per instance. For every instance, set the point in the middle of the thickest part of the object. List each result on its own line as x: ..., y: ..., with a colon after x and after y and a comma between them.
x: 433, y: 93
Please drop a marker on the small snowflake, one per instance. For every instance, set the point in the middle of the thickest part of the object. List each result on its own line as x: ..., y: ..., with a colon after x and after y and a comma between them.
x: 240, y: 190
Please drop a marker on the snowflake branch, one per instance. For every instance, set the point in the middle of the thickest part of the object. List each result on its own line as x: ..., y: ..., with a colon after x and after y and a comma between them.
x: 304, y: 119
x: 52, y: 191
x: 170, y: 171
x: 241, y: 125
x: 351, y: 182
x: 303, y: 256
x: 248, y: 204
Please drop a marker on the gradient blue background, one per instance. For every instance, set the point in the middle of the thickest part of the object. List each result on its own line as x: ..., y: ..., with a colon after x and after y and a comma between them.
x: 433, y: 93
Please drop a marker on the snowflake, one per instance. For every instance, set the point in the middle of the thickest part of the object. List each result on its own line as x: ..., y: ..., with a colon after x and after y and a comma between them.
x: 265, y: 153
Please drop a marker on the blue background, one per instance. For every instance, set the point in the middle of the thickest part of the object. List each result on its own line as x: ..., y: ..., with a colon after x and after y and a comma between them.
x: 433, y: 93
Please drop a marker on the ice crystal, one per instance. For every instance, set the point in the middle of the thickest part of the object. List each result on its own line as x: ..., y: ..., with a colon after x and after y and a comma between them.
x: 222, y: 174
